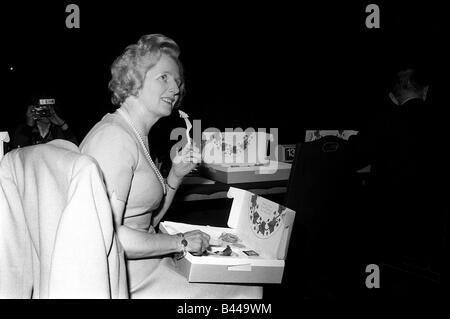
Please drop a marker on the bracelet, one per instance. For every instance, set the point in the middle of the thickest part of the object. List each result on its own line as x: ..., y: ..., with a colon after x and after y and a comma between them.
x: 170, y: 186
x: 184, y: 244
x: 62, y: 124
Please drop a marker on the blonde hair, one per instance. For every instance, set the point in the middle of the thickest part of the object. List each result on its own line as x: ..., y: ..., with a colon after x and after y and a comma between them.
x: 129, y: 69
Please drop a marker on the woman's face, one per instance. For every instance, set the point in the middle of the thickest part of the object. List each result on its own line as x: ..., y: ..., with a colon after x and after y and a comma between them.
x: 160, y: 90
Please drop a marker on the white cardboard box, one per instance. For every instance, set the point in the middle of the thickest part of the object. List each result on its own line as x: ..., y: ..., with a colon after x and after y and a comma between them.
x: 232, y: 173
x: 247, y: 147
x: 261, y: 225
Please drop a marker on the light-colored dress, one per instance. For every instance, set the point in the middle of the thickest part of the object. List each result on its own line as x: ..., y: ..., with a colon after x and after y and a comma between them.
x: 128, y: 174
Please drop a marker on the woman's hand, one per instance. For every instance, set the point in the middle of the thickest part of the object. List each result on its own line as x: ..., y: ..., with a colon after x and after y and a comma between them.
x: 197, y: 240
x: 185, y: 161
x: 54, y: 118
x: 30, y: 117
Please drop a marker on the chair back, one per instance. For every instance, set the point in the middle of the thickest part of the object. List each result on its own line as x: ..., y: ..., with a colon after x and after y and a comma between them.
x: 57, y: 234
x: 321, y: 189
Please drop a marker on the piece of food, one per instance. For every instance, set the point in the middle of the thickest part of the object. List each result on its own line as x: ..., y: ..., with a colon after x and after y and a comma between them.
x: 227, y: 251
x: 229, y: 238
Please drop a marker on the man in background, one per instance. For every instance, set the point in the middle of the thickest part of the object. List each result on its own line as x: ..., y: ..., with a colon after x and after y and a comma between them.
x: 405, y: 147
x: 42, y: 124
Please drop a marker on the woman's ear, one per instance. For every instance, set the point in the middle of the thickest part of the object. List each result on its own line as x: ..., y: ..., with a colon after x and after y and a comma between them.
x: 393, y: 98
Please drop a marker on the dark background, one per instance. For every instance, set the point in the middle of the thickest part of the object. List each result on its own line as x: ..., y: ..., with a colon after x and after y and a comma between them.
x: 263, y: 64
x: 255, y: 65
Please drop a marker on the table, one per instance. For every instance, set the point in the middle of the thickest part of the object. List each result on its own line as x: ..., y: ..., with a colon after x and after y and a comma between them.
x: 196, y: 188
x: 202, y: 201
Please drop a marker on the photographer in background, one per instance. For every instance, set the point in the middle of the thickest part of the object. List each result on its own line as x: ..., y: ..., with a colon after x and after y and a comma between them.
x: 42, y: 125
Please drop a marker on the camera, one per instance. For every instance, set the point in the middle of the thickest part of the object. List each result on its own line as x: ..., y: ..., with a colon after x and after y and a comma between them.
x: 43, y: 108
x: 41, y: 111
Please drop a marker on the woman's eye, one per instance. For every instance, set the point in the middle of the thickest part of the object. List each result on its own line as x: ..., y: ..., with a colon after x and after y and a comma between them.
x: 164, y: 77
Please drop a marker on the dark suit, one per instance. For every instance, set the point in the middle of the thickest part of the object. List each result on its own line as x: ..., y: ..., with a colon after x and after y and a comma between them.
x: 26, y: 135
x: 404, y: 145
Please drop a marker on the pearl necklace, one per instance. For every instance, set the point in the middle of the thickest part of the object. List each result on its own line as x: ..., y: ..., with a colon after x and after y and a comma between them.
x: 146, y: 151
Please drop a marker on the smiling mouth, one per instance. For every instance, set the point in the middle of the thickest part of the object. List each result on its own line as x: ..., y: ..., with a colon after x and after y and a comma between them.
x: 169, y: 101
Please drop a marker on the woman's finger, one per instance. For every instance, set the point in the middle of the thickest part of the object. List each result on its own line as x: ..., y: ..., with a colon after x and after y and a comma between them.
x: 199, y: 233
x: 191, y: 157
x: 197, y: 158
x: 190, y: 148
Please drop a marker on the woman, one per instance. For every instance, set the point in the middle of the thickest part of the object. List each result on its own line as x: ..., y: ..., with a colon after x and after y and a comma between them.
x: 147, y: 84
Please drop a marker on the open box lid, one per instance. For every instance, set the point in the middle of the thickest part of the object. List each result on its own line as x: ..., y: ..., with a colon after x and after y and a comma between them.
x: 261, y: 223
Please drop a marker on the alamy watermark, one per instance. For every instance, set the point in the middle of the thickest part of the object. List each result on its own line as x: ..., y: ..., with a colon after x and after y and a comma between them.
x: 73, y: 17
x: 373, y: 19
x: 373, y: 279
x: 231, y: 146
